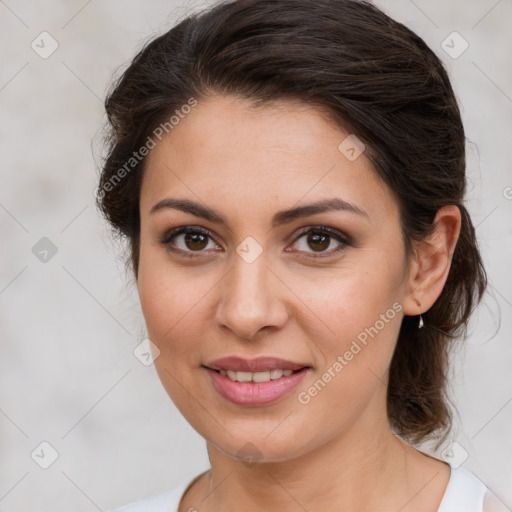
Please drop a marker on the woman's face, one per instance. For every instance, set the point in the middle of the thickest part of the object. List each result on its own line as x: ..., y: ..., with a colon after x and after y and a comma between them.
x: 263, y: 283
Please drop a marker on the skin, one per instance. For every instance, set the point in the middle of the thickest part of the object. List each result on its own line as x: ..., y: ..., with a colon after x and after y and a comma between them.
x: 337, y: 452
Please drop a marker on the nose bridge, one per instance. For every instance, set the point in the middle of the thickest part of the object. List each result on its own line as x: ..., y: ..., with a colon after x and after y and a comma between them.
x: 249, y: 301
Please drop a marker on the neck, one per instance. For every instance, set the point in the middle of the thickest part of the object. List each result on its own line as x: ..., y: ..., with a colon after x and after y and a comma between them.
x: 365, y: 468
x: 334, y: 473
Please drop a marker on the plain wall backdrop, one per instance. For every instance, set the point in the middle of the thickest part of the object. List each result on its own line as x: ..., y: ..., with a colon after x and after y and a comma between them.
x: 69, y: 315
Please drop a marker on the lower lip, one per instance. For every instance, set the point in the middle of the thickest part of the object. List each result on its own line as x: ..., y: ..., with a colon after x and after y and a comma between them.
x: 255, y: 393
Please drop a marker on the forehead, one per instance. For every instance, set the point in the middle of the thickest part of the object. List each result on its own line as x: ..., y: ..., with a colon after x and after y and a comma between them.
x: 249, y: 160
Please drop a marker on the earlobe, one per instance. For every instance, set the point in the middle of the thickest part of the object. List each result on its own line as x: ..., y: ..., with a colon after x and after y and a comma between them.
x: 431, y: 265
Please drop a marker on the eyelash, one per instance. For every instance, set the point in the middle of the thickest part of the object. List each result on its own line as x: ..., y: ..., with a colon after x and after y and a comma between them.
x: 323, y: 230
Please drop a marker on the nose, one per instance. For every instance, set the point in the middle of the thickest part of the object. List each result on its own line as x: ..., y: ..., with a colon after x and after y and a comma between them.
x: 252, y: 298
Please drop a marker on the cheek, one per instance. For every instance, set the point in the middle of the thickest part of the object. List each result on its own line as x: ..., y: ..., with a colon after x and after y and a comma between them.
x: 365, y: 316
x: 357, y: 319
x: 174, y: 303
x: 163, y: 299
x: 345, y: 302
x: 171, y: 310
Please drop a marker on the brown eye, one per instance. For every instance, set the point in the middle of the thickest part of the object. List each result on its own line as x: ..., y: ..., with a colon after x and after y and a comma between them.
x: 319, y: 239
x: 195, y: 241
x: 186, y: 240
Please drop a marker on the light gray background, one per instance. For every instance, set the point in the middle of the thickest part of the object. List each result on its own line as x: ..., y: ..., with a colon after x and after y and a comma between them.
x: 68, y: 326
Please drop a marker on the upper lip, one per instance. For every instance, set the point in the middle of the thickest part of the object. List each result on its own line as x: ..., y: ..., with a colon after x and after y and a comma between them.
x: 259, y: 364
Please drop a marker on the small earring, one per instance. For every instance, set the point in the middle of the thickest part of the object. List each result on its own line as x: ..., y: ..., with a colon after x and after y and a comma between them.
x: 421, y: 323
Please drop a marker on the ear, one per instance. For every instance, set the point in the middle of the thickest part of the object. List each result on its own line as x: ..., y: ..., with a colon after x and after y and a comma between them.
x: 430, y: 264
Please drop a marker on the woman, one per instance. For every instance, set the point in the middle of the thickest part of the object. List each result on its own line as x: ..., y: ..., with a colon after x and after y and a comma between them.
x: 290, y: 176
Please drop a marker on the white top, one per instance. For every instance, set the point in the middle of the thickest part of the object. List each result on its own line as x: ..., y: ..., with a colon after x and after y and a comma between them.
x: 464, y: 493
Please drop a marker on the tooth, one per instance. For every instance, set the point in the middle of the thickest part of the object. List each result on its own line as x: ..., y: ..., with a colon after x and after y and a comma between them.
x: 276, y: 374
x: 266, y: 376
x: 244, y: 376
x: 261, y: 376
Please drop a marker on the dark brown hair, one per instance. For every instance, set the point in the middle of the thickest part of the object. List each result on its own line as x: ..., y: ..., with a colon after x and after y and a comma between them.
x: 376, y: 79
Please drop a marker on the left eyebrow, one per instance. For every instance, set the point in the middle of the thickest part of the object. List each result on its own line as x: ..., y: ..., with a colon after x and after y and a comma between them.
x: 282, y: 217
x: 326, y: 205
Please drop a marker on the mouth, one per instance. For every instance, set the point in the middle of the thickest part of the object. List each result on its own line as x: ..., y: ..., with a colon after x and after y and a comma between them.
x: 255, y: 382
x: 264, y: 376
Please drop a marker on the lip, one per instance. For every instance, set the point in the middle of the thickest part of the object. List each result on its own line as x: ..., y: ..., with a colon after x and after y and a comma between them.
x: 252, y: 394
x: 259, y: 364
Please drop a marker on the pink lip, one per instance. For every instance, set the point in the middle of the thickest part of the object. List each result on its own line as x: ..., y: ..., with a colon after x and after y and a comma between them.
x: 259, y: 364
x: 255, y: 393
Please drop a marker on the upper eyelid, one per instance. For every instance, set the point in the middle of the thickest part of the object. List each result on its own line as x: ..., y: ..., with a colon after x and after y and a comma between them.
x: 182, y: 230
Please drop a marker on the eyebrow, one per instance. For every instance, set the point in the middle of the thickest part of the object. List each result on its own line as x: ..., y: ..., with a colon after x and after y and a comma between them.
x: 282, y: 217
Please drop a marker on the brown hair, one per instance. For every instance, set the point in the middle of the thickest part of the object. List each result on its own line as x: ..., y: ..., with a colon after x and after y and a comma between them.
x: 376, y: 79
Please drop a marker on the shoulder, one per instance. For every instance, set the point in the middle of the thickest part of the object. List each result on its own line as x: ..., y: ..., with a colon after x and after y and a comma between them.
x: 467, y: 493
x: 166, y: 501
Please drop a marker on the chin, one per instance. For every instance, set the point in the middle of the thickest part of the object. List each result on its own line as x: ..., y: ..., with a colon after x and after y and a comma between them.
x: 261, y: 448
